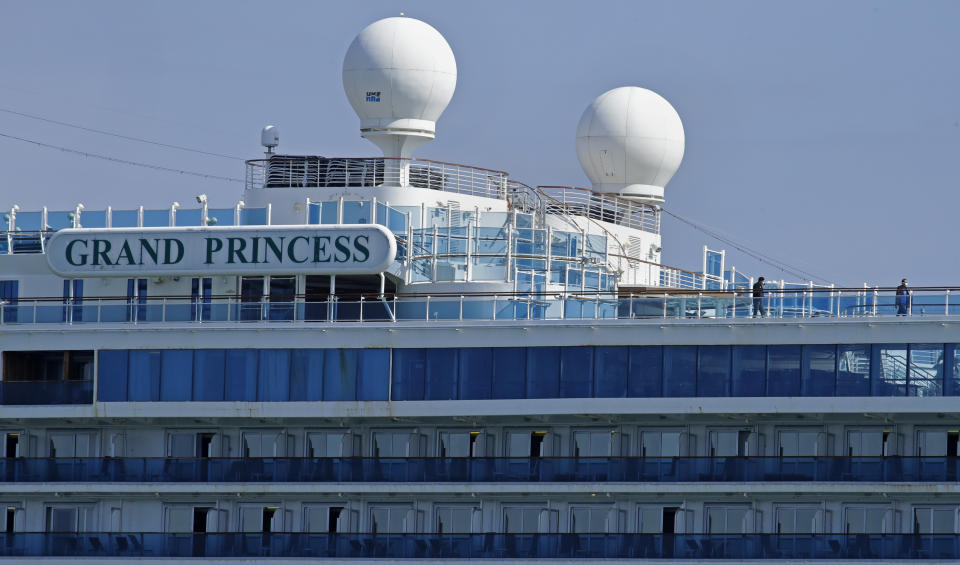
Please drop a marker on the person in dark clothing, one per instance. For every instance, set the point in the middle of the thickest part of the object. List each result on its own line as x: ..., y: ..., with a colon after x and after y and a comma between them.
x: 903, y: 298
x: 758, y: 309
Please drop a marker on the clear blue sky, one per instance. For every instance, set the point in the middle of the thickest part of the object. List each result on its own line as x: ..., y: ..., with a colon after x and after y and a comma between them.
x: 825, y: 134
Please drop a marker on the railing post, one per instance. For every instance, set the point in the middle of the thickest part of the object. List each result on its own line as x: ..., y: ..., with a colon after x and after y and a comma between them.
x: 946, y: 304
x: 876, y: 292
x: 631, y: 305
x: 494, y: 306
x: 426, y: 312
x: 163, y: 309
x: 461, y: 307
x: 699, y: 302
x: 664, y: 304
x: 596, y: 307
x: 361, y: 308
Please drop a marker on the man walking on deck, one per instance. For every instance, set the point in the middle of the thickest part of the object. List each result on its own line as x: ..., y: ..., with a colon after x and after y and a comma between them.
x: 758, y: 309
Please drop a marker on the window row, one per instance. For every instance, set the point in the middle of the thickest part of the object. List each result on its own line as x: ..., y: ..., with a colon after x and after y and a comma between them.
x: 530, y: 372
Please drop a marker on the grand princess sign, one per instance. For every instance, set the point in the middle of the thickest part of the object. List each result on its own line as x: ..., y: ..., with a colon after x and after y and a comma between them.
x: 333, y: 249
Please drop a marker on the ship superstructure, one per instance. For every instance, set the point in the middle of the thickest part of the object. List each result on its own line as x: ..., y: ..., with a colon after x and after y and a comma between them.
x: 397, y: 358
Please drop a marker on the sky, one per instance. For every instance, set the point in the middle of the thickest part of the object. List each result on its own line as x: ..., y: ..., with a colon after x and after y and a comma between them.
x: 822, y: 134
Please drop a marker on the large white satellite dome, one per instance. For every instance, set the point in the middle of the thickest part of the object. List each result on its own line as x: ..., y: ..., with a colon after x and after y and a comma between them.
x: 399, y: 75
x: 630, y: 142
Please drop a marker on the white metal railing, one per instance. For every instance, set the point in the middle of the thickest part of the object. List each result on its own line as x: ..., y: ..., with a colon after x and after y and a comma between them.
x: 324, y: 172
x: 843, y: 303
x: 598, y: 206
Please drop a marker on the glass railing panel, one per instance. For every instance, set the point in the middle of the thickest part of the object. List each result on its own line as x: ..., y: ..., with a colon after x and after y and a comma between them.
x: 94, y: 219
x: 29, y: 221
x: 189, y: 217
x: 124, y: 218
x: 452, y: 269
x: 356, y: 212
x: 59, y: 220
x: 412, y: 310
x: 444, y: 309
x: 253, y: 216
x: 220, y: 216
x: 156, y: 218
x: 36, y: 393
x: 489, y: 268
x: 478, y: 309
x: 422, y: 270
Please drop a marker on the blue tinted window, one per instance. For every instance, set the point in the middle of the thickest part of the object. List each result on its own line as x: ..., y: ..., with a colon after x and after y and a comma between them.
x: 853, y: 370
x: 273, y: 378
x: 340, y: 374
x: 819, y: 370
x: 749, y: 370
x: 783, y: 370
x: 476, y: 373
x: 373, y: 378
x: 408, y: 374
x: 951, y: 368
x: 112, y: 375
x: 509, y: 372
x: 143, y: 381
x: 611, y: 367
x: 646, y: 372
x: 306, y: 376
x: 441, y: 374
x: 680, y: 370
x: 926, y: 369
x: 208, y: 368
x: 176, y: 377
x: 713, y: 377
x: 576, y: 372
x: 240, y: 375
x: 888, y: 368
x: 543, y: 372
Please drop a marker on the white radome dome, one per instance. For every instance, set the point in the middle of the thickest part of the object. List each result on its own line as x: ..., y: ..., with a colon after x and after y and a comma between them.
x: 399, y: 75
x: 630, y: 142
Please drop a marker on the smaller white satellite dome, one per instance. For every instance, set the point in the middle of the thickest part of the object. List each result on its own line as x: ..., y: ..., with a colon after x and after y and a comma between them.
x: 399, y: 75
x: 630, y: 142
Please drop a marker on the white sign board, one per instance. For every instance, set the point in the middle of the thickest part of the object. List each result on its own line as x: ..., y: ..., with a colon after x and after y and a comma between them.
x: 348, y: 249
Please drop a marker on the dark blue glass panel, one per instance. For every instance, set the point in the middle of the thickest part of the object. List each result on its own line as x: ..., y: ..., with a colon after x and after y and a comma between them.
x: 646, y: 372
x: 340, y: 374
x: 783, y: 370
x: 241, y: 375
x: 926, y: 369
x: 208, y: 371
x: 273, y: 377
x: 853, y: 370
x: 951, y: 370
x: 888, y: 369
x: 476, y: 373
x: 409, y: 366
x: 749, y: 370
x: 509, y: 372
x: 543, y: 372
x: 373, y: 380
x: 176, y: 375
x: 819, y: 370
x: 143, y: 381
x: 679, y: 371
x: 576, y: 372
x: 441, y: 374
x: 611, y: 368
x: 307, y: 375
x: 112, y: 375
x: 713, y: 376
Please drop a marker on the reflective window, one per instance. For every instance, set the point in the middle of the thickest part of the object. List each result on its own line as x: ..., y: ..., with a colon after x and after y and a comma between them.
x: 391, y: 519
x: 521, y: 519
x: 797, y: 519
x: 713, y: 378
x: 455, y: 519
x: 749, y: 370
x: 727, y: 519
x: 680, y: 371
x: 853, y: 370
x: 799, y: 443
x: 934, y: 520
x: 646, y: 372
x: 330, y: 444
x: 925, y: 370
x: 819, y: 370
x: 783, y: 370
x: 611, y: 368
x: 868, y: 442
x: 865, y: 519
x: 593, y: 443
x: 660, y: 443
x: 393, y: 444
x: 589, y: 519
x: 889, y: 369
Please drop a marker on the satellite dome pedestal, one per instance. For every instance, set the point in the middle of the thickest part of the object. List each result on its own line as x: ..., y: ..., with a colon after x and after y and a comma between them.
x: 399, y: 75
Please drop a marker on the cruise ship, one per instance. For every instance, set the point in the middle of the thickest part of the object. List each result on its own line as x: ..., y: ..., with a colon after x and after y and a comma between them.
x: 390, y: 358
